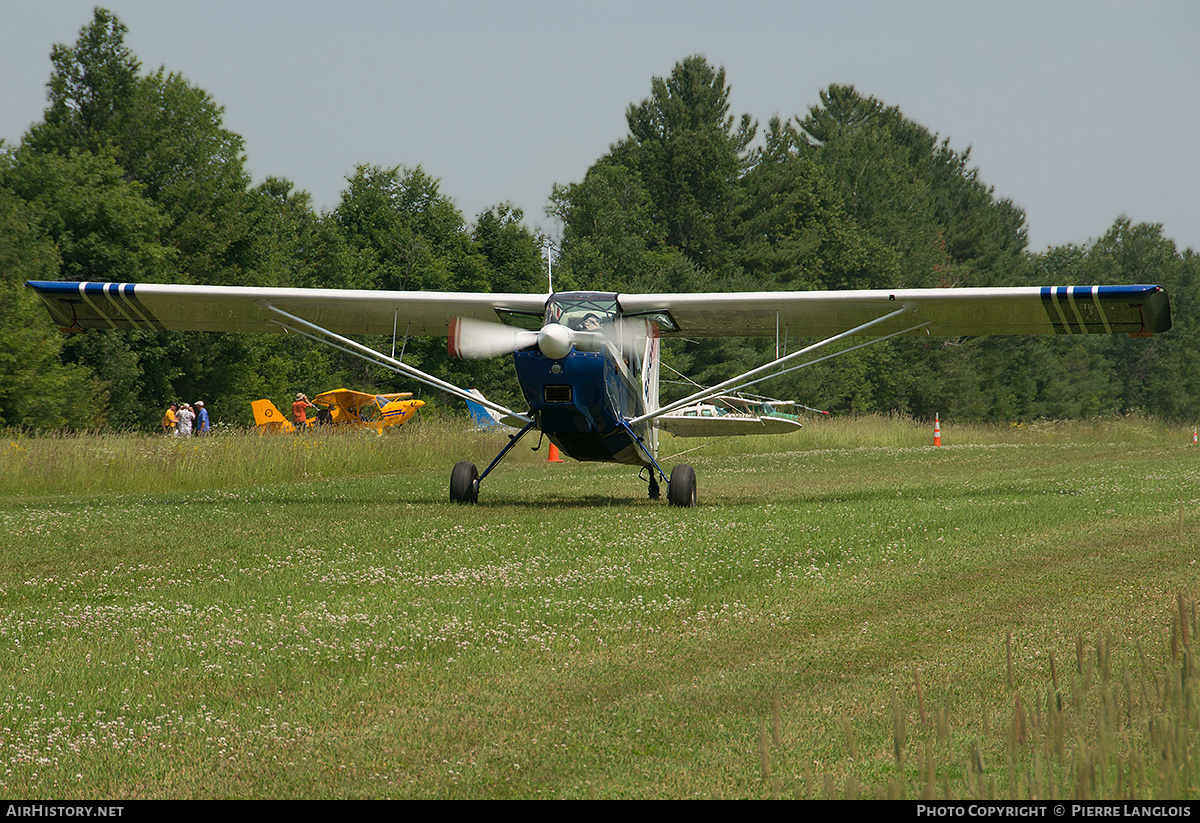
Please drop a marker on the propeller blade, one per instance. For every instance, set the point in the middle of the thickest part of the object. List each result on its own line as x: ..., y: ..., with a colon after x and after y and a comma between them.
x: 630, y: 334
x: 476, y: 339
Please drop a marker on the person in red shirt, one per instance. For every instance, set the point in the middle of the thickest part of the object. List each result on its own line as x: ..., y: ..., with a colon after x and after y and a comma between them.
x: 299, y: 410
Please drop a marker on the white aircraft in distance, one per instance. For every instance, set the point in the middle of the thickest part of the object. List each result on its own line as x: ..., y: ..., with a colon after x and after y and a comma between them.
x: 731, y: 415
x: 588, y: 362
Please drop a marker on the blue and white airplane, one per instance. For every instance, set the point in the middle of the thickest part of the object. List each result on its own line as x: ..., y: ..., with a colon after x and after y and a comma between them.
x: 588, y: 362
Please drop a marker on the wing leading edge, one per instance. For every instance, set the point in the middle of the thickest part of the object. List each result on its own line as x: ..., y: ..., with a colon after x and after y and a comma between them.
x: 1132, y: 309
x: 79, y: 306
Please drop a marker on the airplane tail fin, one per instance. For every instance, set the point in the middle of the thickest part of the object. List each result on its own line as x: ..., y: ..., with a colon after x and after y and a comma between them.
x: 268, y: 418
x: 484, y: 417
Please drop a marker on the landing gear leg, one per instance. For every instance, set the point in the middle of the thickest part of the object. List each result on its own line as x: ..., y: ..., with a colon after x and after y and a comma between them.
x: 465, y: 479
x: 652, y: 466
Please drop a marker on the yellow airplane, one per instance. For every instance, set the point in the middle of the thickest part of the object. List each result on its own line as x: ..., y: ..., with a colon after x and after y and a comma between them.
x: 343, y: 407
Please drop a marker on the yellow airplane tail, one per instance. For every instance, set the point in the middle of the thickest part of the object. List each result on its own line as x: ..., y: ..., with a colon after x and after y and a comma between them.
x: 268, y: 418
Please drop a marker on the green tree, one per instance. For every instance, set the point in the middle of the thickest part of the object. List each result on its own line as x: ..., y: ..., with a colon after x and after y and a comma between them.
x: 512, y: 252
x: 915, y: 193
x: 163, y: 133
x: 881, y: 189
x: 102, y: 225
x: 409, y: 236
x: 173, y: 142
x: 90, y: 89
x: 36, y: 390
x: 415, y: 235
x: 104, y: 230
x: 795, y: 234
x: 610, y: 240
x: 1157, y: 374
x: 136, y: 178
x: 688, y: 152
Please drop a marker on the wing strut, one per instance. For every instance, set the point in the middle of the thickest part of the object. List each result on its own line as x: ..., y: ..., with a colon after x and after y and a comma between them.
x: 345, y: 344
x: 743, y: 380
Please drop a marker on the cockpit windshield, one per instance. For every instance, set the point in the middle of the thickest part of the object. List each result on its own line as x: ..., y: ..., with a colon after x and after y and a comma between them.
x: 582, y: 311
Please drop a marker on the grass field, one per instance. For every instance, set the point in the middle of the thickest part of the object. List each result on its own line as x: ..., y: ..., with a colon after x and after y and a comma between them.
x: 849, y: 612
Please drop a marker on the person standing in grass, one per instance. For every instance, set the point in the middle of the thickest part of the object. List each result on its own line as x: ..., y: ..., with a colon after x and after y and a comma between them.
x: 183, y: 421
x: 168, y: 421
x: 300, y: 410
x: 202, y: 426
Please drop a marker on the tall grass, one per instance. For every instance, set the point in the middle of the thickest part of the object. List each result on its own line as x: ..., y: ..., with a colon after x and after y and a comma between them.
x: 849, y: 612
x: 904, y: 431
x: 138, y: 463
x: 1105, y: 724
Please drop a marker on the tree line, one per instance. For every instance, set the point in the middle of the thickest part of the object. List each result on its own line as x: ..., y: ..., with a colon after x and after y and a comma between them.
x: 131, y: 176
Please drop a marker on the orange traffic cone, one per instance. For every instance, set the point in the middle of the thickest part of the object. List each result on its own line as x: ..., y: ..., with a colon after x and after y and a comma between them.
x: 937, y: 431
x: 553, y: 456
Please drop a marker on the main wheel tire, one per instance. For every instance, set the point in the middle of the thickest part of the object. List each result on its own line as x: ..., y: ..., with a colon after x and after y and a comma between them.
x: 681, y: 490
x: 463, y: 482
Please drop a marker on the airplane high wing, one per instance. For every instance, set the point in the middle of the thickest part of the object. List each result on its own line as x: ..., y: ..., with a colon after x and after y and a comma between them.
x: 949, y: 312
x: 79, y: 306
x: 588, y: 362
x: 952, y: 312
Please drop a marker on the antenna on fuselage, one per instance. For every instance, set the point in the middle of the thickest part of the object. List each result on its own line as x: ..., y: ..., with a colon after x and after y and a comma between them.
x: 549, y: 247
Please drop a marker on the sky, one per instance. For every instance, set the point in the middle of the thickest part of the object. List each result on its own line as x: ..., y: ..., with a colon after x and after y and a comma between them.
x: 1078, y: 112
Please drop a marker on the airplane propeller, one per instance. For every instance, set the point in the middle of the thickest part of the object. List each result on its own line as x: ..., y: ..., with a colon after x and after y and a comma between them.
x: 476, y: 339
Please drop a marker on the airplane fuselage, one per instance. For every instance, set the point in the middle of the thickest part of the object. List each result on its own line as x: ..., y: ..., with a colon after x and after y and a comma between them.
x: 580, y: 400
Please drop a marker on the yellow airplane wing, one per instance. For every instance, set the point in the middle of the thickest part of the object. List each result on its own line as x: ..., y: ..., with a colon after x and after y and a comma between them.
x: 343, y: 398
x: 364, y: 409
